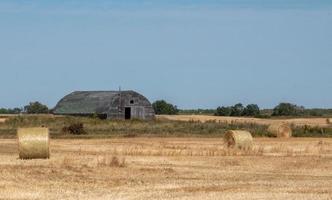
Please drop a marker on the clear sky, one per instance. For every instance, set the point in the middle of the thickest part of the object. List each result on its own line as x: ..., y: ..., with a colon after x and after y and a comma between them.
x: 193, y: 53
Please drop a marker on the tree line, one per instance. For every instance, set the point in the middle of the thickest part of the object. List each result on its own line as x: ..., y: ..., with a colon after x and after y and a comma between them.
x: 162, y: 107
x: 32, y: 108
x: 238, y: 110
x: 250, y: 110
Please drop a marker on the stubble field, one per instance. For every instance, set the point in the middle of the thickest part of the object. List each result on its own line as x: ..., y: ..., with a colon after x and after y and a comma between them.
x: 170, y: 168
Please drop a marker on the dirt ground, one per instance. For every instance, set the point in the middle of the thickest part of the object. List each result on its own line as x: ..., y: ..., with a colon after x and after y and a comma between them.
x: 321, y: 122
x: 170, y: 168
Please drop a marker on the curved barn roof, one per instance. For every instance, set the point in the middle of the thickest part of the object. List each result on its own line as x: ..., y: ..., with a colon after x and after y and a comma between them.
x: 88, y: 102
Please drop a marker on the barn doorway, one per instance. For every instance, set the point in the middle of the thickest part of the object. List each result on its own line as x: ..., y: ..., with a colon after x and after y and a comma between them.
x: 127, y: 113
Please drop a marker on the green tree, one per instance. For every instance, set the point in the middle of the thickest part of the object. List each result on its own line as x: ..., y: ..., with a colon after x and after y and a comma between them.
x: 223, y: 111
x: 251, y: 110
x: 237, y: 110
x: 16, y: 110
x: 36, y: 108
x: 287, y: 109
x: 161, y: 107
x: 3, y: 111
x: 10, y: 111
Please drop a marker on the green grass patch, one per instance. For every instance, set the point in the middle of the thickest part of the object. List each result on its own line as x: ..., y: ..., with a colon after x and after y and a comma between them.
x: 97, y: 128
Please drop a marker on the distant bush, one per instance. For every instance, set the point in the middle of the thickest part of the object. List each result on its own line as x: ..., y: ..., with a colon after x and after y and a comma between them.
x: 161, y: 107
x: 264, y: 113
x: 36, y: 108
x: 263, y: 116
x: 251, y: 110
x: 288, y: 109
x: 223, y: 111
x: 238, y: 110
x: 10, y: 111
x: 197, y: 111
x: 75, y: 129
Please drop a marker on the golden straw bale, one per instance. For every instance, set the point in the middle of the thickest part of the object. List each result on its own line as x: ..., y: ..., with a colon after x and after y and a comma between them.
x: 238, y: 139
x: 329, y: 120
x: 280, y: 130
x: 33, y: 143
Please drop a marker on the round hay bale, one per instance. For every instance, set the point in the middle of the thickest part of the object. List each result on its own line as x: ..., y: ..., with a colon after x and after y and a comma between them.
x: 238, y: 139
x: 280, y: 130
x: 329, y: 120
x: 33, y: 143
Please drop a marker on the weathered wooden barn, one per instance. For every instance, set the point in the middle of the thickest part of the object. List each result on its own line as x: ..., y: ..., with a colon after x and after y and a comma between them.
x: 106, y: 104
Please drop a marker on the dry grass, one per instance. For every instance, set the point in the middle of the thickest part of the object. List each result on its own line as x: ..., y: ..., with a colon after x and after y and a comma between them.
x: 2, y: 120
x: 314, y: 122
x: 170, y: 168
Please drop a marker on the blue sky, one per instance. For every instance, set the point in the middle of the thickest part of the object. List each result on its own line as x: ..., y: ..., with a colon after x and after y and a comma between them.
x: 195, y: 54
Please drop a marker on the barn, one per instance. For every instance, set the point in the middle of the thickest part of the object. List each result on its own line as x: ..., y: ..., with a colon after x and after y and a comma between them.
x: 106, y: 105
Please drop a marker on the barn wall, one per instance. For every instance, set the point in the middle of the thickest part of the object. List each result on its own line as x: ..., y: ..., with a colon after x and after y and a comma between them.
x: 140, y: 107
x: 141, y: 112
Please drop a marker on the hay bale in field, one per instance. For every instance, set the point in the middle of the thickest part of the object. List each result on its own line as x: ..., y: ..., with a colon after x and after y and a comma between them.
x: 329, y: 120
x: 280, y: 130
x: 33, y: 143
x: 238, y: 139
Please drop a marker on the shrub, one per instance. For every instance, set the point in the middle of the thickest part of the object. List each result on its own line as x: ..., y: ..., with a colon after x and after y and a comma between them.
x: 161, y: 107
x: 287, y: 109
x: 75, y: 129
x: 36, y: 108
x: 251, y: 110
x: 223, y: 111
x: 10, y: 111
x: 237, y: 110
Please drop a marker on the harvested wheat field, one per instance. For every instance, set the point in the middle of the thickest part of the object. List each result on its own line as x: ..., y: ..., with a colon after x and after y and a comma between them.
x: 170, y: 168
x: 320, y: 122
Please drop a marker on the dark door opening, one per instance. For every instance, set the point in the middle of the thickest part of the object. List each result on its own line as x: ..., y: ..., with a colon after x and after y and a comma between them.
x: 127, y: 113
